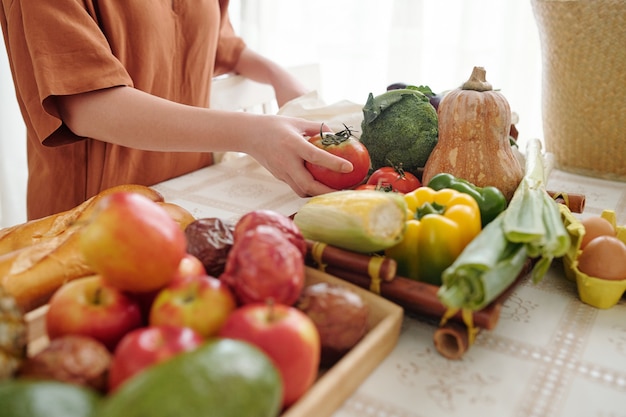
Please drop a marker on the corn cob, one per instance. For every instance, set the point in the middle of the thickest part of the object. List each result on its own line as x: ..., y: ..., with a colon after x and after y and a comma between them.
x: 361, y: 221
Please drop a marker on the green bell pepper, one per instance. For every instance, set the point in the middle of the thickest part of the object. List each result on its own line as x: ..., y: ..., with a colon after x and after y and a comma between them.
x: 491, y: 201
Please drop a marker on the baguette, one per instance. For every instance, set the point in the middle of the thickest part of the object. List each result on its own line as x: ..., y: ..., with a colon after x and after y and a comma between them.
x: 33, y: 231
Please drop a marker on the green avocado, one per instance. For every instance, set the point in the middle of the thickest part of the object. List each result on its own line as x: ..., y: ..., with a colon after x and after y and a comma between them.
x: 222, y: 378
x: 399, y: 128
x: 39, y: 398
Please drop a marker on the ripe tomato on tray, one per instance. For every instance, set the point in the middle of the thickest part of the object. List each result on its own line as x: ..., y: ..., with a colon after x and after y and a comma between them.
x: 345, y: 145
x: 394, y: 177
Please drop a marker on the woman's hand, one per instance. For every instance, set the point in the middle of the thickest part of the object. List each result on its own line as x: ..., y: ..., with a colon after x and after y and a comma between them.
x: 287, y: 89
x: 261, y: 69
x: 281, y: 146
x: 131, y: 118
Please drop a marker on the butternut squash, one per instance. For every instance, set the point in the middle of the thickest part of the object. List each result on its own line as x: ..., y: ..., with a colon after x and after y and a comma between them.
x: 474, y: 126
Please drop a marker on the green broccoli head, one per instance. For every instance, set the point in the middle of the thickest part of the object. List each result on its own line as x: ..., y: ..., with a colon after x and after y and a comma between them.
x: 399, y: 127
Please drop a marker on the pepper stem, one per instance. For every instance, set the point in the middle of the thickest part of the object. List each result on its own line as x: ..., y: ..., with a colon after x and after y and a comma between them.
x: 429, y: 208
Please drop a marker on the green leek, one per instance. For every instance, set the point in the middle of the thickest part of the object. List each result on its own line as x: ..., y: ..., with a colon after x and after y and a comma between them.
x: 487, y: 266
x: 533, y: 217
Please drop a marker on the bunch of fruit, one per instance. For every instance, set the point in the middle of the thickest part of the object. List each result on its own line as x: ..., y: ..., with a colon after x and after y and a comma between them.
x: 153, y: 328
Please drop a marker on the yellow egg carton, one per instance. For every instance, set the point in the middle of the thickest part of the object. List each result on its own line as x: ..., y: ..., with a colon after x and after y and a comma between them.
x: 597, y: 292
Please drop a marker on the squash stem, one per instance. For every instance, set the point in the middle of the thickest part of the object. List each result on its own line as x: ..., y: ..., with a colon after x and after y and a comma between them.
x: 477, y: 81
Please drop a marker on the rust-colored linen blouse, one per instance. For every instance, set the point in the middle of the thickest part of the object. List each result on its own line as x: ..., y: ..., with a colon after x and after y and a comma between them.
x: 169, y: 48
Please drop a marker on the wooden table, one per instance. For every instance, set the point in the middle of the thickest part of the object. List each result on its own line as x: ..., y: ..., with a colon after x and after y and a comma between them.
x: 550, y: 354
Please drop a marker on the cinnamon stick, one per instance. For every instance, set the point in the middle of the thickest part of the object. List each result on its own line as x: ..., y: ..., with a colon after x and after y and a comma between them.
x: 352, y: 261
x: 418, y: 297
x: 421, y: 298
x: 451, y: 340
x: 574, y: 202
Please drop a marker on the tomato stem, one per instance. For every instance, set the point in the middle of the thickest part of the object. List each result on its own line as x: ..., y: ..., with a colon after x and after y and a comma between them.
x: 398, y: 168
x: 335, y: 138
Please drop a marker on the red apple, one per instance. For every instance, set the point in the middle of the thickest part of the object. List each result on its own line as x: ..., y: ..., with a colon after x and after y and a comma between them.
x: 133, y: 242
x: 148, y: 346
x: 201, y: 302
x: 287, y: 335
x: 263, y: 264
x: 89, y: 307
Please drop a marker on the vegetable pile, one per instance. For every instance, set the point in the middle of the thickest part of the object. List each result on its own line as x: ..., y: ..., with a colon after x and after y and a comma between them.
x: 477, y: 213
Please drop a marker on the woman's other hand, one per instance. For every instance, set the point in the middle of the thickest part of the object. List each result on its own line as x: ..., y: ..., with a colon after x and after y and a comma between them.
x: 261, y: 69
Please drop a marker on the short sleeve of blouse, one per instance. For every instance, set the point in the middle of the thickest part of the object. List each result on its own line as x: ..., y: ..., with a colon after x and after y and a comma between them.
x: 229, y: 46
x: 56, y: 48
x: 63, y: 47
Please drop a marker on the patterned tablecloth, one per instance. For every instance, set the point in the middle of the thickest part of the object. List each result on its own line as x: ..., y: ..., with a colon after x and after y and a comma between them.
x: 550, y: 354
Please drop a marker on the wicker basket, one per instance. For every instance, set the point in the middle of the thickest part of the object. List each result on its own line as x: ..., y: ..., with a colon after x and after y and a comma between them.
x: 583, y: 45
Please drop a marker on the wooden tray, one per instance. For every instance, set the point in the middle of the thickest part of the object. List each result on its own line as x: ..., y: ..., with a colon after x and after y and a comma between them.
x: 334, y: 385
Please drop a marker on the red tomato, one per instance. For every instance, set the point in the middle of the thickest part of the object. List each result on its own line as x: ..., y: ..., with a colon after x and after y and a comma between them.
x: 346, y: 146
x: 395, y: 177
x: 384, y: 188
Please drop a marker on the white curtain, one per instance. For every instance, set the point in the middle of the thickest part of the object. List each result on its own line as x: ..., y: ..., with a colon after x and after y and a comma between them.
x: 12, y: 151
x: 362, y: 46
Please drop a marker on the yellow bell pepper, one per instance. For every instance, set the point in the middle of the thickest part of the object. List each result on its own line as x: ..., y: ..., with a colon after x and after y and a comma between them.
x: 439, y: 225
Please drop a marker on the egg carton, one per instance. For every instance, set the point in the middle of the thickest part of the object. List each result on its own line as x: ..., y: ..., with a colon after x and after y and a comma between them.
x: 597, y: 292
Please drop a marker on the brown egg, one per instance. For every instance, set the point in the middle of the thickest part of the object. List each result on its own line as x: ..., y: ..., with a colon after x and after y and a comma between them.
x: 604, y: 257
x: 596, y: 226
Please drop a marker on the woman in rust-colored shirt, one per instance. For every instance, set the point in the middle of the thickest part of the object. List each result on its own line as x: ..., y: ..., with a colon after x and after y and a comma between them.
x: 117, y: 92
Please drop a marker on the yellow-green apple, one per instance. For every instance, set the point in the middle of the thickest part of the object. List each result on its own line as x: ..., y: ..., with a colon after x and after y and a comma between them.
x: 147, y: 346
x: 287, y: 335
x: 132, y: 242
x: 201, y: 302
x: 263, y: 264
x: 90, y: 307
